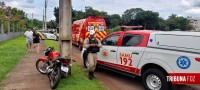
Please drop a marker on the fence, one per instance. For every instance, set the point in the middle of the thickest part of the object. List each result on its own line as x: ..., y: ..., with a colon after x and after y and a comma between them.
x: 4, y: 37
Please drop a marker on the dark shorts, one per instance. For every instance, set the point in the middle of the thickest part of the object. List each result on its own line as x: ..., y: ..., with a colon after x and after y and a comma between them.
x: 36, y: 40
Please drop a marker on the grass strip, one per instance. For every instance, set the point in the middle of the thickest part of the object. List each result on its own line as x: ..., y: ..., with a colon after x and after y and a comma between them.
x: 78, y: 80
x: 11, y: 52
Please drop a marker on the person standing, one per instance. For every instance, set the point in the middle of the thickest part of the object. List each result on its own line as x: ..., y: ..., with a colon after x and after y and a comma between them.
x: 36, y: 40
x: 29, y: 40
x: 92, y: 46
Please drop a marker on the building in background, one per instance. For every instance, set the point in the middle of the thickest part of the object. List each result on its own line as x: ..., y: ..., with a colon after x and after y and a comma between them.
x: 195, y: 22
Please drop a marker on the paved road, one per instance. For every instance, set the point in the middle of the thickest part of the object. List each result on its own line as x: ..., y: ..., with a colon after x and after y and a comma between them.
x: 115, y: 81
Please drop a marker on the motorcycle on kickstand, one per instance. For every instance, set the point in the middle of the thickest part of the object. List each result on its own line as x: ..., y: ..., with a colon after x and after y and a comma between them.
x: 54, y: 66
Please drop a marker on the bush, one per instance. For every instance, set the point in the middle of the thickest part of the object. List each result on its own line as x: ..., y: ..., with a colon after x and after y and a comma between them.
x: 117, y: 28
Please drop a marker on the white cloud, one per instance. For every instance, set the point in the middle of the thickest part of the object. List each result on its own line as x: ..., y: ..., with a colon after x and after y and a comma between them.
x: 164, y: 7
x: 194, y: 11
x: 34, y: 6
x: 185, y: 3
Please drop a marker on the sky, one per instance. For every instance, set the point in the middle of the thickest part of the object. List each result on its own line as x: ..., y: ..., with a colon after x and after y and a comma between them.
x: 165, y: 8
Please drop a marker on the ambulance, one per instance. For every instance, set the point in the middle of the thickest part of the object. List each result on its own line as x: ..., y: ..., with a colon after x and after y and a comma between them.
x: 81, y: 28
x: 161, y: 58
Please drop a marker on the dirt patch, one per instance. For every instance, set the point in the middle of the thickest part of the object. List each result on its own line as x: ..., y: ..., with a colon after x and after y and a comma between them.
x: 25, y: 75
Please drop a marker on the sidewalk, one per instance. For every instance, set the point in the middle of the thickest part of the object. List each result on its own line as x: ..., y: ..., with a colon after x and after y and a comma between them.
x: 25, y: 75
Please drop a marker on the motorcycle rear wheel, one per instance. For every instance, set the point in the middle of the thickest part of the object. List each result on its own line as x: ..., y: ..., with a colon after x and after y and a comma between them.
x: 54, y: 77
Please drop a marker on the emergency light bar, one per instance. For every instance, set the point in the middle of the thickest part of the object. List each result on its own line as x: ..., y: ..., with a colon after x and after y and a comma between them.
x: 129, y: 27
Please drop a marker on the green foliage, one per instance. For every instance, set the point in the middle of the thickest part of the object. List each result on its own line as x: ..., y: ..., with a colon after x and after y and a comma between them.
x: 115, y: 20
x: 11, y: 52
x: 162, y: 24
x: 5, y: 27
x: 56, y: 14
x: 117, y: 28
x: 52, y: 24
x: 134, y: 16
x: 129, y: 15
x: 175, y: 22
x: 16, y: 17
x: 37, y: 23
x: 106, y: 18
x: 76, y: 15
x: 89, y: 11
x: 148, y: 19
x: 29, y: 24
x: 151, y: 20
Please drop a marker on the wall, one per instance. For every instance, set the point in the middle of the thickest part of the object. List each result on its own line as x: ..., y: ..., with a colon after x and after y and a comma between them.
x: 4, y: 37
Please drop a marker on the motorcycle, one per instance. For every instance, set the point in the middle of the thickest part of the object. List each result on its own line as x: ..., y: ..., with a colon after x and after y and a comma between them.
x: 54, y: 66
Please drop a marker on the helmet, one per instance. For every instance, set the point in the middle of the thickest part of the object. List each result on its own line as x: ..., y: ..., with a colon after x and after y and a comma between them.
x: 48, y: 50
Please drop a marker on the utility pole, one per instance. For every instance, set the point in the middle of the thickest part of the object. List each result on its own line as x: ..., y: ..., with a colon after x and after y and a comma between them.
x: 32, y: 17
x: 45, y: 15
x: 43, y: 26
x: 65, y: 24
x: 145, y: 25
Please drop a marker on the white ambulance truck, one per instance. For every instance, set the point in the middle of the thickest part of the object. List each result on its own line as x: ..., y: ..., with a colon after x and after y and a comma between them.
x: 160, y: 58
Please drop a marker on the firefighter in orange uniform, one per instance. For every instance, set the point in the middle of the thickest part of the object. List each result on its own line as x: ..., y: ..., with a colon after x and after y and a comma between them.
x: 92, y: 46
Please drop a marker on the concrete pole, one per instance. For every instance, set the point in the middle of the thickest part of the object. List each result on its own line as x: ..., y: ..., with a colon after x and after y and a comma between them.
x: 65, y: 25
x: 45, y: 15
x: 2, y: 28
x: 17, y: 27
x: 8, y: 26
x: 13, y: 26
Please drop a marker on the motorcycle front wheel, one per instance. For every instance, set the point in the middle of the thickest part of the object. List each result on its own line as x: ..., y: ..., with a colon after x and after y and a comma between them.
x: 55, y: 77
x: 42, y: 66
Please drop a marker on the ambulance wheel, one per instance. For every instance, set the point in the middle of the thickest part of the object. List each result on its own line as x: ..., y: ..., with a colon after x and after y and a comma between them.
x: 155, y: 79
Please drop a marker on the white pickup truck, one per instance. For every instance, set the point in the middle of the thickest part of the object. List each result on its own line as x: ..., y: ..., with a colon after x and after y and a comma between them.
x: 160, y: 58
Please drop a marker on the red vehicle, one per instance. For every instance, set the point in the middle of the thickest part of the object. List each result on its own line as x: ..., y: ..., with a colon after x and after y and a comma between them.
x: 81, y: 28
x: 54, y: 66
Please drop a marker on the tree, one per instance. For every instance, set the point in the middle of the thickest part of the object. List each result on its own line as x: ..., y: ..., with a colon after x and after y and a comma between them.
x: 148, y: 19
x: 89, y: 11
x: 162, y: 25
x: 76, y: 15
x: 106, y: 18
x: 37, y: 23
x: 56, y: 14
x: 115, y: 20
x: 129, y: 15
x: 17, y: 19
x: 52, y: 24
x: 175, y: 22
